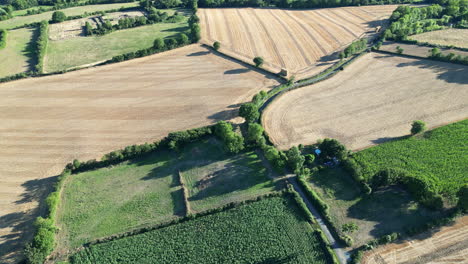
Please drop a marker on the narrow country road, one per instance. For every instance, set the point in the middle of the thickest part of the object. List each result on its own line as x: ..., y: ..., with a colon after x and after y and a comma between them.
x: 342, y: 255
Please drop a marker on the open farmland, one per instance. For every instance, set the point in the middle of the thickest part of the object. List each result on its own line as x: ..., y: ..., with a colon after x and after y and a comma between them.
x: 72, y: 11
x: 240, y: 235
x: 66, y: 53
x: 46, y: 122
x: 448, y: 37
x: 447, y: 245
x: 302, y: 41
x: 373, y: 100
x: 416, y: 50
x: 17, y: 56
x: 148, y: 191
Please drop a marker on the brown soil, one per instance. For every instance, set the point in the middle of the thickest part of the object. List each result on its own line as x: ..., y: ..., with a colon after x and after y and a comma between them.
x: 47, y: 122
x: 373, y: 100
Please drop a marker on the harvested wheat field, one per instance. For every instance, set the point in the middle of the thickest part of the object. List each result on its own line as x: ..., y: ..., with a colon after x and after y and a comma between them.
x: 46, y: 122
x: 302, y: 41
x: 448, y: 245
x: 373, y: 100
x: 449, y: 37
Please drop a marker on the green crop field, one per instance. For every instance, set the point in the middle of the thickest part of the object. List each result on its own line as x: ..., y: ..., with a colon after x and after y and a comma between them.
x: 439, y: 157
x: 214, y: 178
x: 148, y: 191
x: 68, y: 53
x: 17, y: 56
x: 72, y: 11
x: 383, y: 212
x: 272, y: 230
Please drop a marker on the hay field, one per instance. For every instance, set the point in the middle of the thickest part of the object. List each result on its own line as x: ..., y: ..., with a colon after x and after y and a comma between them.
x: 449, y: 37
x: 448, y: 245
x: 296, y: 40
x: 373, y: 100
x: 17, y: 56
x: 48, y: 121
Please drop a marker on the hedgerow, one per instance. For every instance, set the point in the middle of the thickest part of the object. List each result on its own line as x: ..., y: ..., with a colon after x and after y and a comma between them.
x: 41, y: 46
x: 3, y: 36
x: 429, y: 165
x: 240, y: 235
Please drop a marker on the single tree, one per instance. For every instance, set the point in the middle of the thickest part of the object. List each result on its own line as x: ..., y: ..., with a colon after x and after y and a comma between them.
x: 255, y: 133
x: 88, y: 30
x: 417, y: 127
x: 249, y: 111
x: 58, y: 16
x: 295, y: 158
x: 216, y: 45
x: 332, y: 148
x: 258, y: 61
x: 399, y: 50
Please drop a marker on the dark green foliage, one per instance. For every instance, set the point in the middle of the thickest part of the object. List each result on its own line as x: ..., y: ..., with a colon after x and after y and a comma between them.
x: 309, y: 159
x: 463, y: 198
x: 332, y: 148
x: 435, y: 54
x: 159, y: 44
x: 417, y: 127
x: 233, y: 142
x: 258, y: 61
x: 41, y: 45
x: 399, y: 50
x: 354, y: 48
x: 349, y: 227
x: 259, y: 98
x: 164, y: 4
x: 255, y: 134
x: 170, y: 43
x: 249, y: 112
x: 58, y: 16
x: 228, y: 236
x: 295, y: 158
x: 216, y: 45
x: 293, y: 3
x: 6, y: 12
x: 275, y: 157
x: 183, y: 39
x: 3, y: 37
x: 88, y: 29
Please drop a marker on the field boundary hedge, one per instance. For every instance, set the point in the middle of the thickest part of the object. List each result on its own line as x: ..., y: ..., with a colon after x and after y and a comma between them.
x: 185, y: 193
x: 420, y: 57
x: 3, y: 38
x: 41, y: 46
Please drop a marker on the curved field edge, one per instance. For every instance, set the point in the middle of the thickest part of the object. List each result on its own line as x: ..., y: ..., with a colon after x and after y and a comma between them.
x: 240, y: 235
x: 439, y: 157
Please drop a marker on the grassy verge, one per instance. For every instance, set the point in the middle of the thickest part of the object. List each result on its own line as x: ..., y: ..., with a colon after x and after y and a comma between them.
x: 17, y: 56
x: 240, y: 235
x: 64, y: 54
x: 73, y: 11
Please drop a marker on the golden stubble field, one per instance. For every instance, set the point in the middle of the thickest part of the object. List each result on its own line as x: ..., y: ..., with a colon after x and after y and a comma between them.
x: 373, y: 100
x: 447, y: 245
x: 46, y: 122
x: 304, y: 42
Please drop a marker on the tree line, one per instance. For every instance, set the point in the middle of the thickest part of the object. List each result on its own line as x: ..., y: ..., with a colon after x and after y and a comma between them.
x: 3, y: 37
x: 41, y: 45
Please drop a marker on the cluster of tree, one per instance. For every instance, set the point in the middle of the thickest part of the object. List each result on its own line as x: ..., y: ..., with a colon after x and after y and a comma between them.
x: 233, y: 142
x: 408, y: 20
x: 355, y: 47
x: 3, y: 37
x: 58, y: 4
x: 295, y: 3
x: 41, y: 45
x: 58, y: 16
x: 164, y: 4
x: 435, y: 54
x: 194, y: 27
x: 154, y: 16
x: 6, y: 12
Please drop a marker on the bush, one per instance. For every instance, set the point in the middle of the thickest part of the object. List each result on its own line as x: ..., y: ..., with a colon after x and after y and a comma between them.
x: 255, y: 134
x: 58, y: 16
x: 417, y: 127
x: 399, y: 50
x: 295, y: 159
x: 159, y: 44
x: 249, y: 112
x: 216, y: 45
x: 3, y: 37
x: 233, y: 142
x: 258, y: 61
x: 332, y: 148
x: 349, y: 227
x: 354, y: 48
x: 463, y: 198
x: 183, y: 39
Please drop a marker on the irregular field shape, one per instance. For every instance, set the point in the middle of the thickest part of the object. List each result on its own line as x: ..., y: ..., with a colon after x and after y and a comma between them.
x: 416, y: 50
x: 448, y: 245
x: 297, y: 40
x: 46, y: 122
x: 72, y: 11
x: 15, y: 57
x: 240, y: 235
x: 449, y: 37
x: 373, y: 100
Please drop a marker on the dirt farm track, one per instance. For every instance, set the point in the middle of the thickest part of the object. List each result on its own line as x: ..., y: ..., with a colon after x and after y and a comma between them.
x: 373, y: 100
x: 47, y: 122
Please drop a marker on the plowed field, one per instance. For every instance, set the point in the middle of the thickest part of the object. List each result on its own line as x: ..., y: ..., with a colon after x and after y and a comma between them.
x: 302, y: 41
x: 46, y: 122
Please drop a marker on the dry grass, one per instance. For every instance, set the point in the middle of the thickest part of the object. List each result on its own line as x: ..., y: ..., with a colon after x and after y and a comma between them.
x: 449, y: 37
x: 372, y: 101
x: 46, y: 122
x: 296, y: 40
x: 416, y: 50
x: 448, y: 245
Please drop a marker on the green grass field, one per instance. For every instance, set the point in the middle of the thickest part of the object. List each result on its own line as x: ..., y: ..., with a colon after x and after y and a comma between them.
x: 147, y: 191
x: 17, y: 56
x: 214, y: 178
x: 383, y: 212
x: 73, y: 52
x: 72, y: 11
x: 439, y: 157
x: 272, y: 230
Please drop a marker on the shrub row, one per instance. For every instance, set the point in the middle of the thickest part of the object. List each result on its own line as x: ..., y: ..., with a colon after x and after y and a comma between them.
x: 185, y: 194
x: 41, y: 46
x: 3, y: 37
x: 451, y: 57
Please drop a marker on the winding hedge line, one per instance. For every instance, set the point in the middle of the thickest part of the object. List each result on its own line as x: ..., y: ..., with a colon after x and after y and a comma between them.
x: 41, y: 46
x: 3, y: 37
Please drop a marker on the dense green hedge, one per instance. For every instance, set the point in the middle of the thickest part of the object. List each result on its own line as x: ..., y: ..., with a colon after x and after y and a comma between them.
x: 41, y: 46
x: 3, y: 37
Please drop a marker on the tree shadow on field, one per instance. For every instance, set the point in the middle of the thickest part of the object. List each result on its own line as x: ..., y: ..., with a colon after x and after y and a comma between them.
x: 224, y: 115
x: 387, y: 139
x: 21, y: 223
x: 237, y: 71
x: 376, y: 23
x: 29, y: 50
x: 177, y: 29
x: 199, y: 53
